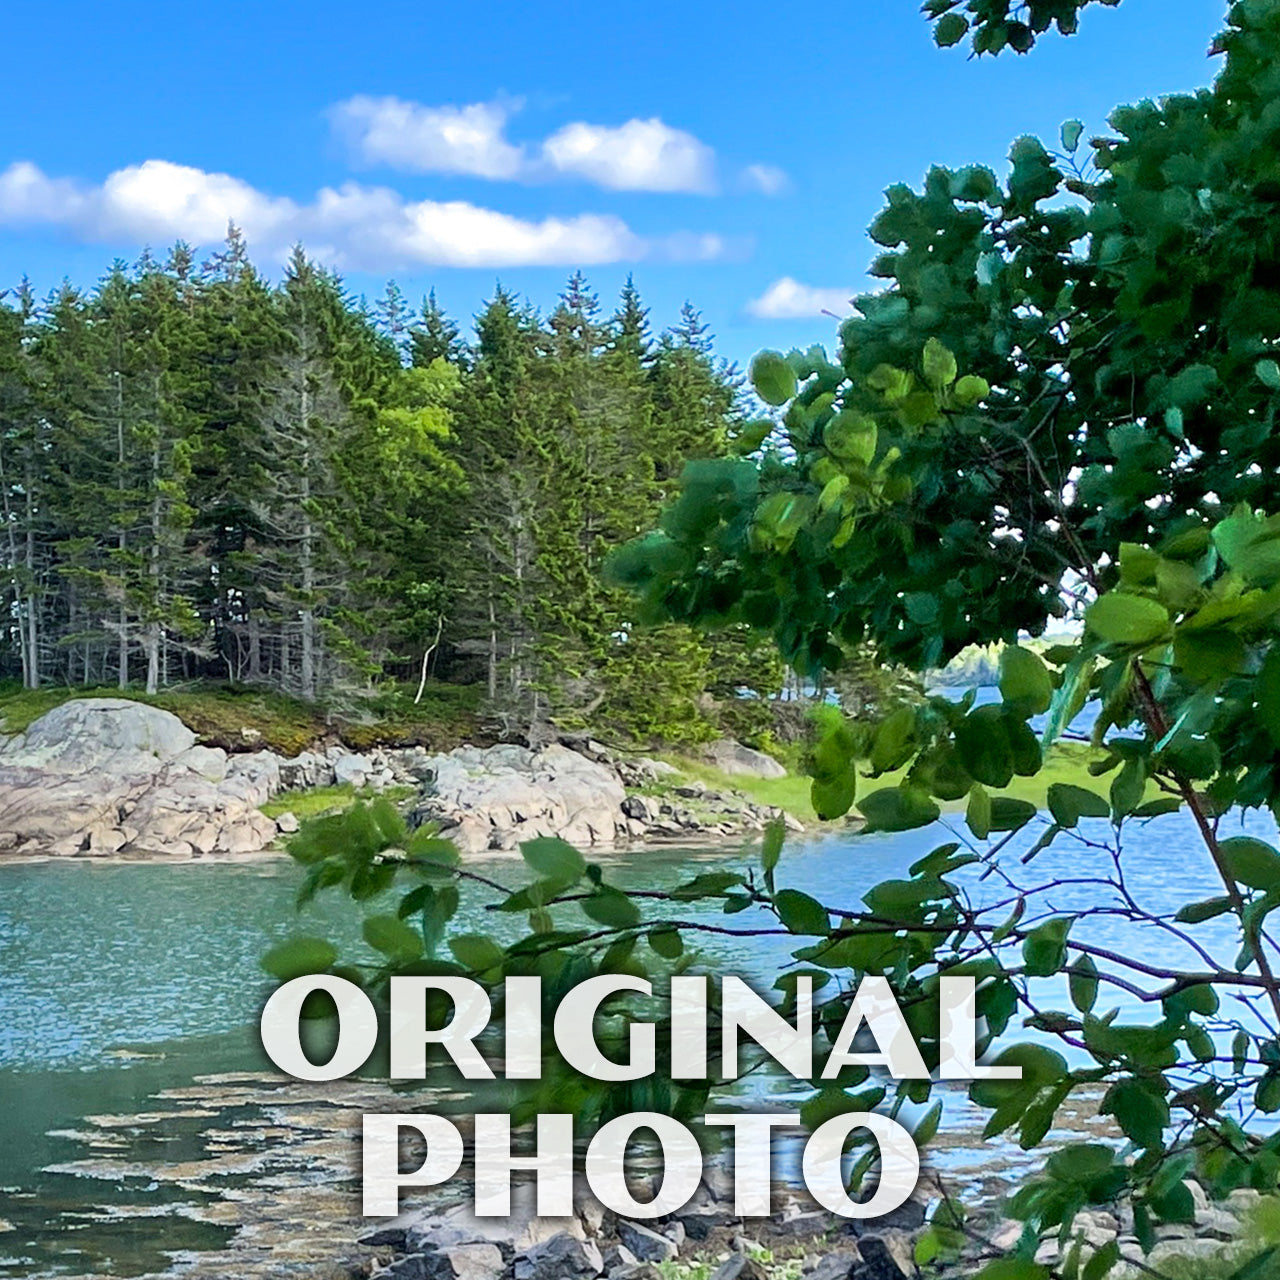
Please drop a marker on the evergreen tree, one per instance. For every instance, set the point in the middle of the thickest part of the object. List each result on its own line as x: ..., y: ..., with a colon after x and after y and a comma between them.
x: 435, y: 337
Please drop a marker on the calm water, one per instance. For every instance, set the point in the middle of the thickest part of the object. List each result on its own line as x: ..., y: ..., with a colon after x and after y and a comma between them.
x: 120, y: 981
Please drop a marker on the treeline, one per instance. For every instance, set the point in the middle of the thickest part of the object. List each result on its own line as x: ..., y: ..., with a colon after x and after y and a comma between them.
x: 203, y: 475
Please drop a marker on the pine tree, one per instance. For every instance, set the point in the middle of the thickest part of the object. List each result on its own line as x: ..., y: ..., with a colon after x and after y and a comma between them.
x: 435, y: 337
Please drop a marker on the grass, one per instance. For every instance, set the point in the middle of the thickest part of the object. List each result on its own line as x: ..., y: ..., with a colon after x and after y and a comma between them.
x: 237, y: 717
x: 319, y: 801
x: 1067, y: 762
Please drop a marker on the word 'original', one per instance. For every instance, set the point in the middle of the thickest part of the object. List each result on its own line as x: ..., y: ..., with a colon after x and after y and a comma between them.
x: 742, y: 1013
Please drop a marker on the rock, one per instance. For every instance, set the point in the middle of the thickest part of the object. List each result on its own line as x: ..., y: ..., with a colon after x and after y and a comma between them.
x: 106, y: 775
x: 389, y: 1235
x: 1169, y: 1250
x: 732, y: 757
x: 1217, y: 1224
x: 1242, y: 1199
x: 836, y: 1266
x: 287, y: 823
x: 352, y: 770
x: 498, y: 797
x: 885, y: 1257
x: 477, y: 1260
x: 645, y: 1243
x: 411, y: 1267
x: 739, y: 1267
x: 562, y: 1257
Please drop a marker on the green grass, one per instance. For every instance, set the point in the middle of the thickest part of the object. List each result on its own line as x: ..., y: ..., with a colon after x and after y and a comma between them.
x: 790, y: 793
x: 220, y: 714
x: 319, y: 801
x: 1067, y: 762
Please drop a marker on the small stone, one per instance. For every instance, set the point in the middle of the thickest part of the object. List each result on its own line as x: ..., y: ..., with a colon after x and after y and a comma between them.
x: 645, y: 1243
x: 739, y: 1267
x: 562, y: 1257
x: 476, y: 1261
x: 393, y: 1236
x: 1198, y: 1194
x: 411, y: 1267
x: 1243, y: 1199
x: 287, y: 823
x: 836, y: 1266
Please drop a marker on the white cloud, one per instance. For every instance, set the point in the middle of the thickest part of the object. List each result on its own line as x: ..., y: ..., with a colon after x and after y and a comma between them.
x: 765, y: 178
x: 788, y: 299
x: 353, y: 226
x: 417, y: 139
x: 641, y: 155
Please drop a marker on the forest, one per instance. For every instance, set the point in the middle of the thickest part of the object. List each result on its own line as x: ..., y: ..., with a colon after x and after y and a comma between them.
x: 205, y: 476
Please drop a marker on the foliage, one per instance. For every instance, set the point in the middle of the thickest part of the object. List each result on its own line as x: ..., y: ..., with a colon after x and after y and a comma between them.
x: 997, y: 25
x: 1061, y: 406
x: 205, y: 477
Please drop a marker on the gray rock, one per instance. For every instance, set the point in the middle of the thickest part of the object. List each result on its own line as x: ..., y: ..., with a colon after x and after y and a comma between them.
x: 500, y: 796
x: 352, y: 770
x: 105, y: 775
x: 412, y: 1266
x: 645, y: 1243
x: 732, y: 757
x: 562, y: 1257
x: 739, y: 1267
x: 477, y: 1260
x: 287, y: 823
x: 887, y: 1257
x: 836, y: 1266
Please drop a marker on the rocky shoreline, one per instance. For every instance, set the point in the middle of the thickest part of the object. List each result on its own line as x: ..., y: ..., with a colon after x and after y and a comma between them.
x: 108, y: 777
x: 800, y: 1241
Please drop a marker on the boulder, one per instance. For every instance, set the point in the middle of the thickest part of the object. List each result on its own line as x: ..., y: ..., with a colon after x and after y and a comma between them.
x: 645, y: 1243
x: 99, y: 776
x: 562, y: 1257
x: 499, y: 796
x: 732, y: 757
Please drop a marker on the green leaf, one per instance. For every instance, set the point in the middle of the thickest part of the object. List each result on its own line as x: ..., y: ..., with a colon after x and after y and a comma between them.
x: 1044, y: 950
x: 298, y: 957
x: 773, y: 378
x: 1199, y: 912
x: 775, y: 833
x: 927, y: 1126
x: 1070, y: 136
x: 1141, y: 1112
x: 1013, y: 1269
x: 950, y: 30
x: 1269, y: 373
x: 1083, y: 980
x: 1267, y: 693
x: 939, y: 365
x: 1008, y: 814
x: 396, y: 940
x: 971, y: 390
x: 800, y: 913
x: 1125, y: 619
x: 833, y: 796
x: 1025, y: 680
x: 1127, y: 789
x: 978, y: 813
x: 898, y: 809
x: 1251, y: 862
x: 983, y: 745
x: 1069, y: 804
x: 476, y: 951
x: 612, y: 908
x: 666, y: 941
x: 554, y: 859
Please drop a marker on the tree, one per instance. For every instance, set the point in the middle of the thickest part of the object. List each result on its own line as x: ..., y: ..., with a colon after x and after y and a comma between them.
x: 994, y: 28
x: 1062, y: 404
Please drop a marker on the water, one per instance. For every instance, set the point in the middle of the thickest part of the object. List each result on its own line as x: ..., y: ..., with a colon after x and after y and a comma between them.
x: 140, y: 1123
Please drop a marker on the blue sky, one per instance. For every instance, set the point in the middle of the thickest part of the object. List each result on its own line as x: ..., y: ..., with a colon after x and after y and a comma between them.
x: 714, y: 150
